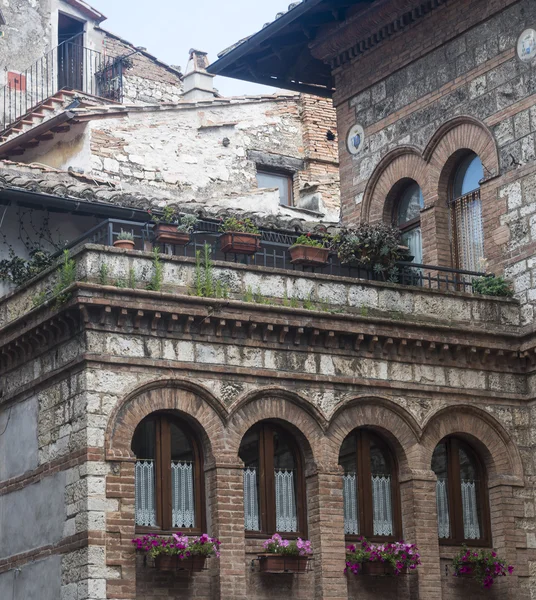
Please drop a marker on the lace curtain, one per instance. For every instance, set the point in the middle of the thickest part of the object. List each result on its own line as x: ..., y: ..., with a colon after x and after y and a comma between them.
x: 145, y: 493
x: 469, y: 232
x: 381, y: 504
x: 182, y: 495
x: 471, y: 526
x: 442, y: 502
x: 349, y: 489
x: 285, y: 501
x: 251, y: 501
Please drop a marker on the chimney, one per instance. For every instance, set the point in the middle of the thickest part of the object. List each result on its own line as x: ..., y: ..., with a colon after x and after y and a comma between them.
x: 197, y: 83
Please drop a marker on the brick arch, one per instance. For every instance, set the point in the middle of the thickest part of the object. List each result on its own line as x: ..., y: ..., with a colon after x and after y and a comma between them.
x: 404, y: 163
x: 488, y: 437
x: 200, y: 407
x: 285, y: 407
x: 389, y: 419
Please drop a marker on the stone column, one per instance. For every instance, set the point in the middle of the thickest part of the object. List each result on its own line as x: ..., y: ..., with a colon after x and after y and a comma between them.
x: 326, y: 531
x: 226, y: 497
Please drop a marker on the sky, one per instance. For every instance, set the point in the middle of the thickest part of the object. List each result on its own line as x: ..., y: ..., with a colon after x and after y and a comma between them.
x: 169, y: 28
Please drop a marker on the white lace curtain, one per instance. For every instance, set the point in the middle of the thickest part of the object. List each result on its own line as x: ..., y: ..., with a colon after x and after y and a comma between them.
x: 442, y: 503
x: 182, y: 495
x: 285, y: 501
x: 471, y: 525
x: 145, y: 500
x: 382, y: 508
x: 469, y: 231
x: 251, y: 501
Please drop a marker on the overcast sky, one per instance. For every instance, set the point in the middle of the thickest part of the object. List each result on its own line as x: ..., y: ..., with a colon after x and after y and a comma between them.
x: 169, y: 28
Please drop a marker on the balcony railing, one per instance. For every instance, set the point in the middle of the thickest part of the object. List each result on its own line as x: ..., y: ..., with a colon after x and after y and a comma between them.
x: 274, y: 253
x: 69, y: 66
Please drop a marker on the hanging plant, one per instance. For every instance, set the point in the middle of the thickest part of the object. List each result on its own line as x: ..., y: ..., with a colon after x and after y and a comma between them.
x: 285, y: 556
x: 381, y: 559
x: 483, y: 565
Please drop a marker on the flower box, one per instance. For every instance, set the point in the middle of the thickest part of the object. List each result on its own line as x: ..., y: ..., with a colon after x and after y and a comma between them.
x: 125, y: 244
x: 193, y: 564
x: 166, y: 233
x: 311, y: 256
x: 240, y: 243
x: 278, y: 563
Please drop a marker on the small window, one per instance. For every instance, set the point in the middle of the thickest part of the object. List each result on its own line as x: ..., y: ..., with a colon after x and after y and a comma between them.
x: 273, y: 482
x: 408, y: 218
x: 281, y: 181
x: 370, y: 489
x: 168, y: 475
x: 462, y: 511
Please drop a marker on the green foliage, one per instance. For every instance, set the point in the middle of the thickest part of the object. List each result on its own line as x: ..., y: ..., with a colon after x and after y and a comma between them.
x: 167, y: 216
x: 484, y: 565
x: 103, y: 274
x: 66, y: 277
x: 120, y: 283
x: 126, y: 235
x: 206, y: 286
x: 155, y: 284
x: 236, y: 225
x: 493, y: 286
x: 39, y: 299
x: 248, y: 295
x: 186, y: 223
x: 306, y: 240
x: 308, y: 303
x: 18, y: 270
x: 374, y: 247
x: 132, y: 278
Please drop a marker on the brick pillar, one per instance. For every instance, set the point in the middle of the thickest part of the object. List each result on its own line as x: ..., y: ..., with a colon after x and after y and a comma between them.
x: 226, y: 494
x: 120, y: 530
x: 435, y: 235
x: 326, y: 531
x: 419, y: 517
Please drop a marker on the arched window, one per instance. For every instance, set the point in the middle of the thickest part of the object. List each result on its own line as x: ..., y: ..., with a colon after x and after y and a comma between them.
x: 274, y: 496
x: 168, y: 475
x: 466, y: 213
x: 408, y: 218
x: 370, y: 487
x: 461, y: 494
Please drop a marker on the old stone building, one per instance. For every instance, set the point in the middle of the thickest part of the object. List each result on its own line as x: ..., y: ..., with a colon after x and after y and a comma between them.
x: 394, y: 411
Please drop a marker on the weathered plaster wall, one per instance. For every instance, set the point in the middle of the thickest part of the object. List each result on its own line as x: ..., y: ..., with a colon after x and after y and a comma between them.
x: 18, y: 442
x: 40, y: 580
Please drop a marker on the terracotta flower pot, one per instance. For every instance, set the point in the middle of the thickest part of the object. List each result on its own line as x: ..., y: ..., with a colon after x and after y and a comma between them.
x: 240, y: 243
x: 308, y: 255
x: 125, y: 244
x: 276, y: 563
x: 193, y: 564
x: 165, y: 233
x: 377, y: 568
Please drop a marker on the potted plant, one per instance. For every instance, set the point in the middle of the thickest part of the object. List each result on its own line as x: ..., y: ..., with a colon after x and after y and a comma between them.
x: 483, y: 565
x: 309, y: 251
x: 172, y: 228
x: 125, y: 240
x: 376, y: 248
x: 178, y: 552
x: 381, y: 559
x: 240, y: 236
x: 491, y: 285
x: 284, y: 556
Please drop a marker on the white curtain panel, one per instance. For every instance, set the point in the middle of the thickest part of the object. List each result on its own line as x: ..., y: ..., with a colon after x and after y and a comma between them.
x: 471, y: 527
x: 251, y: 501
x: 349, y: 488
x: 145, y: 493
x: 285, y: 501
x: 382, y: 506
x: 182, y: 495
x: 442, y: 502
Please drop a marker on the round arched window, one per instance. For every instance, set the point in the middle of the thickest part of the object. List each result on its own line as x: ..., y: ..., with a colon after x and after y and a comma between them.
x: 370, y: 487
x: 461, y: 494
x: 466, y: 213
x: 408, y: 218
x: 168, y: 475
x: 273, y: 481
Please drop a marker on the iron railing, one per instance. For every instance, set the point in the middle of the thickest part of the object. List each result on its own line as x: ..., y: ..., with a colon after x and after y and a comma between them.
x: 274, y: 253
x: 69, y: 66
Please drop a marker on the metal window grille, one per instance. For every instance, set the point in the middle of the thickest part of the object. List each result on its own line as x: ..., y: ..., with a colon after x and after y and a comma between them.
x: 351, y: 521
x: 471, y: 526
x: 381, y: 505
x: 251, y: 501
x: 182, y: 495
x: 285, y: 501
x: 442, y: 502
x: 145, y: 493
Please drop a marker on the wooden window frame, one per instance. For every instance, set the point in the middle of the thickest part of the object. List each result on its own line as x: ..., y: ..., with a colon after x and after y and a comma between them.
x: 163, y: 492
x: 286, y: 174
x: 364, y: 488
x: 454, y: 495
x: 267, y: 484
